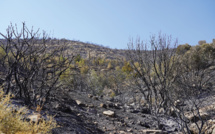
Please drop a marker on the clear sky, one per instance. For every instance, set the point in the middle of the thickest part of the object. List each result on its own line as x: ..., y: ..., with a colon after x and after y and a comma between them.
x: 113, y: 22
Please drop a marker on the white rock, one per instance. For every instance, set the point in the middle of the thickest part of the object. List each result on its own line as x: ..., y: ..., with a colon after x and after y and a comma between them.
x: 152, y: 131
x: 80, y: 103
x: 109, y: 113
x: 35, y: 117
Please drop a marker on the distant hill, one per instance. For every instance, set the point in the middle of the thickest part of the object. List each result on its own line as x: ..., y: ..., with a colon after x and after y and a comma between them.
x: 86, y: 50
x: 89, y: 50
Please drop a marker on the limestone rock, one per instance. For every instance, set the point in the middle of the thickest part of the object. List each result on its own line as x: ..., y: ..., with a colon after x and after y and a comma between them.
x: 122, y: 132
x: 109, y: 113
x: 80, y: 103
x: 152, y: 131
x: 34, y: 117
x: 129, y: 130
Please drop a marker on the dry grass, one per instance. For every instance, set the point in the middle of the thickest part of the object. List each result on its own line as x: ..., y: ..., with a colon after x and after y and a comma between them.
x: 12, y: 121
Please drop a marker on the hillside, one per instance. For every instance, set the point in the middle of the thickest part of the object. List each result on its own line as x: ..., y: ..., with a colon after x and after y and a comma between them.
x: 160, y: 87
x: 89, y: 50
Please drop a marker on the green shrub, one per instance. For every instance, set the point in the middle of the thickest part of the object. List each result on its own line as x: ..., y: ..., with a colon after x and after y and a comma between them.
x: 84, y: 69
x: 202, y: 42
x: 201, y: 56
x: 127, y: 68
x: 112, y: 94
x: 110, y: 66
x: 2, y: 53
x: 77, y: 58
x: 81, y: 63
x: 181, y: 49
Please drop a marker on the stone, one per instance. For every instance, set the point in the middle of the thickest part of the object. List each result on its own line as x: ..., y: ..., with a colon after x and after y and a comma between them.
x: 126, y: 118
x: 99, y: 115
x: 57, y: 106
x: 109, y: 113
x: 36, y: 117
x: 179, y: 103
x: 103, y: 105
x: 152, y: 131
x: 138, y: 122
x: 122, y: 132
x: 38, y: 97
x: 104, y: 128
x: 78, y: 102
x: 91, y: 106
x: 161, y: 111
x: 118, y: 106
x: 131, y: 122
x: 173, y: 112
x: 129, y: 130
x: 90, y: 95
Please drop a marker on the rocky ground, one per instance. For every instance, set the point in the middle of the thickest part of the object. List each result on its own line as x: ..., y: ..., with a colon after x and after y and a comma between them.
x: 82, y: 113
x: 86, y: 114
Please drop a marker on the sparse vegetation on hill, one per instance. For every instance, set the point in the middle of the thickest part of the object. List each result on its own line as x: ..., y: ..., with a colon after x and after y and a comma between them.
x: 158, y: 79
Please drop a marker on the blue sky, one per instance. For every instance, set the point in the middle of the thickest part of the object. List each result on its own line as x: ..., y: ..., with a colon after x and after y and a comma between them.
x: 113, y: 22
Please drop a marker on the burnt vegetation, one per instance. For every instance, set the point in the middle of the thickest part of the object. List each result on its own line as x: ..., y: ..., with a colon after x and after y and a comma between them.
x: 160, y: 78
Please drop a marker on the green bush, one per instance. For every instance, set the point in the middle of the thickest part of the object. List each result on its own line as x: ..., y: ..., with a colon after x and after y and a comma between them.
x: 84, y: 69
x: 197, y: 57
x: 110, y: 66
x: 181, y: 49
x: 127, y: 68
x: 2, y: 53
x: 77, y: 58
